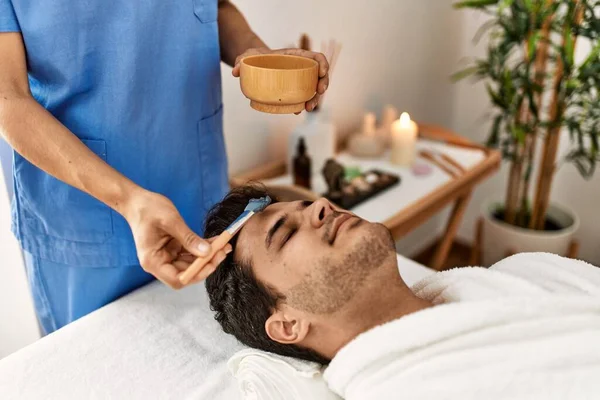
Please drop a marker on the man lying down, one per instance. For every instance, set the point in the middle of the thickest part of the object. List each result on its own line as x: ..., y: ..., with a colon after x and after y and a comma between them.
x: 311, y: 281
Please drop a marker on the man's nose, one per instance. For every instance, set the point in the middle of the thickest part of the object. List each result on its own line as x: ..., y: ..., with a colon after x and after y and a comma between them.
x: 319, y: 212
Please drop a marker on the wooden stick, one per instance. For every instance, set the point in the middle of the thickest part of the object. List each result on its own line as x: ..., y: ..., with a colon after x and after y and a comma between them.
x: 335, y: 56
x: 438, y: 134
x: 195, y: 270
x: 573, y: 251
x: 332, y: 52
x: 518, y: 187
x: 515, y: 179
x: 452, y: 162
x: 433, y: 159
x: 546, y: 175
x: 304, y: 42
x: 541, y: 63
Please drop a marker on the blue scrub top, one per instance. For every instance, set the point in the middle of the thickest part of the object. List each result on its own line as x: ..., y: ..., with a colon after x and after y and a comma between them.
x: 139, y: 83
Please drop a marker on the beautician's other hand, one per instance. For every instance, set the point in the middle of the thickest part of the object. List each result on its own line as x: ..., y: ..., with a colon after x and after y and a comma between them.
x: 161, y: 237
x: 319, y: 57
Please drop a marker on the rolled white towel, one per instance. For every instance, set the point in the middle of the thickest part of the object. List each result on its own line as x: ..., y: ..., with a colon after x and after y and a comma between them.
x: 267, y: 376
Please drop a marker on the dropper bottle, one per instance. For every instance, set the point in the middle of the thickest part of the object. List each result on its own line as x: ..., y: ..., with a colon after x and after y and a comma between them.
x: 302, y: 166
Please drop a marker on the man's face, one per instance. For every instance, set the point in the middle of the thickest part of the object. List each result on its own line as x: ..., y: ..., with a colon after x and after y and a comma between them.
x: 315, y: 254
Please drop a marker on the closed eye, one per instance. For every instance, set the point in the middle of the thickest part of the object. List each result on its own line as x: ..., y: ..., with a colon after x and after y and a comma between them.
x: 288, y: 237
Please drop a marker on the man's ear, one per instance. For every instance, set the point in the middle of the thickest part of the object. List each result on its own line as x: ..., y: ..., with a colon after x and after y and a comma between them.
x: 284, y: 327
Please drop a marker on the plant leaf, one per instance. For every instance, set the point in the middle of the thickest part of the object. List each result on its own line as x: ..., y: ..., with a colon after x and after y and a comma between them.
x: 483, y: 29
x: 494, y: 139
x: 592, y: 56
x: 585, y: 166
x: 569, y: 49
x: 462, y: 74
x: 532, y: 44
x: 494, y: 96
x: 475, y: 3
x: 504, y: 5
x: 518, y: 133
x: 532, y: 105
x: 595, y: 146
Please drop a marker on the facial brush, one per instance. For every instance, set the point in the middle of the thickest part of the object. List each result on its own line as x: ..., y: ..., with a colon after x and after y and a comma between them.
x: 254, y: 206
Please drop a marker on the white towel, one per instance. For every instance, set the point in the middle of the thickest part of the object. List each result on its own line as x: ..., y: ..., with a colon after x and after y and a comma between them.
x: 266, y: 376
x: 156, y: 343
x: 526, y: 274
x: 526, y: 329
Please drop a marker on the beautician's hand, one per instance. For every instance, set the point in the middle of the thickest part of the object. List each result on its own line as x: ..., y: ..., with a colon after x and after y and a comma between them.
x: 165, y: 244
x: 319, y: 57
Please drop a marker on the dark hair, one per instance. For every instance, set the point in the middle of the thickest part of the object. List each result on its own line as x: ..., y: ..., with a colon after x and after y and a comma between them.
x: 241, y: 302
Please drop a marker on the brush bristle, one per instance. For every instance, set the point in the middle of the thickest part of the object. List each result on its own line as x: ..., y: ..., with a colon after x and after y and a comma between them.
x: 257, y: 205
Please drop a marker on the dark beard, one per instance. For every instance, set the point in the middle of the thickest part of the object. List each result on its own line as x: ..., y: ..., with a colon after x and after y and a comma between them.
x: 332, y: 283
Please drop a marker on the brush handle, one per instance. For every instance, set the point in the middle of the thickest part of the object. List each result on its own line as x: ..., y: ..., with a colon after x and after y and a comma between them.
x: 186, y: 276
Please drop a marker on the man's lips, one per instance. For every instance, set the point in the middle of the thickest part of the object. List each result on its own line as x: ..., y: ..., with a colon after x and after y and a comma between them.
x: 337, y: 224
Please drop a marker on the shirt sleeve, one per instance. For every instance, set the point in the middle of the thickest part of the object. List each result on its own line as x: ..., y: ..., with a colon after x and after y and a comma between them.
x: 8, y: 18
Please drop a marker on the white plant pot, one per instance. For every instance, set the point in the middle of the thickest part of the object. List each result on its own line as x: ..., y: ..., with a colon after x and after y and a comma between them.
x: 500, y: 238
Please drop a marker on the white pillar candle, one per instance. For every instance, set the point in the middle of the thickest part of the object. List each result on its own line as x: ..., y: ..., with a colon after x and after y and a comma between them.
x: 369, y: 121
x: 366, y: 143
x: 404, y: 138
x: 389, y: 115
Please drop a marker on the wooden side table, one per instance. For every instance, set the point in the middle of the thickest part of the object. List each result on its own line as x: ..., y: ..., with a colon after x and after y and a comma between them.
x: 408, y: 205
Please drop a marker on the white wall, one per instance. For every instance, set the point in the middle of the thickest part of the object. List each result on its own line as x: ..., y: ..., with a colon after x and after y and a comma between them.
x: 394, y: 51
x: 390, y: 55
x: 18, y: 326
x: 471, y: 107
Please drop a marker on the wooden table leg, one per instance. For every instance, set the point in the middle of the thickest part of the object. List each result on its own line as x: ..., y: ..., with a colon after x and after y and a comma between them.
x: 441, y: 254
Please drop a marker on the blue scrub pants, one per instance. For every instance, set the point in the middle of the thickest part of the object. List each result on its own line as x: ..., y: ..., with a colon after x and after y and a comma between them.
x: 63, y: 293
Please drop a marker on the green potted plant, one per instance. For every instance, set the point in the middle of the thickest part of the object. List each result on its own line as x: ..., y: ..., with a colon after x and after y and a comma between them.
x: 537, y: 90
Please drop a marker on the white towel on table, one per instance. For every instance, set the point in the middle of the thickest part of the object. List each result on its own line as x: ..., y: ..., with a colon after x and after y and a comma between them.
x: 529, y: 328
x: 156, y: 343
x: 266, y: 376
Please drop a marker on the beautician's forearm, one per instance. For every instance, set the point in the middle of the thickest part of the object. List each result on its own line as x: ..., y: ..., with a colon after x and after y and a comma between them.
x: 39, y: 137
x: 235, y: 35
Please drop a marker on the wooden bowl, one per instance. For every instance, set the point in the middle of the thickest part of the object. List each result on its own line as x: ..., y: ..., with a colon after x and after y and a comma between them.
x: 279, y: 84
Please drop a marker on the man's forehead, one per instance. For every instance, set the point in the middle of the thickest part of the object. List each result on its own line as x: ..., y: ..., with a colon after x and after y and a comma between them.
x: 256, y: 228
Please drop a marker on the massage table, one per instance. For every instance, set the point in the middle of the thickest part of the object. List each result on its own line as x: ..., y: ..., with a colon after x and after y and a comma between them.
x: 154, y: 343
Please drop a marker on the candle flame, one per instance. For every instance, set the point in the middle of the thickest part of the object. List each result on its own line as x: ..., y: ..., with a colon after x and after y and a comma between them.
x: 404, y: 119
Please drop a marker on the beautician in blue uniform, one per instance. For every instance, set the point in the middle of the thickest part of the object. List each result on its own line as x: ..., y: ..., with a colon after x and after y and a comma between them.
x: 114, y: 111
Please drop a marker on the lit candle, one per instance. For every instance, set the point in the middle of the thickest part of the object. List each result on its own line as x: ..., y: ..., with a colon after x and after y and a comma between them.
x: 404, y: 138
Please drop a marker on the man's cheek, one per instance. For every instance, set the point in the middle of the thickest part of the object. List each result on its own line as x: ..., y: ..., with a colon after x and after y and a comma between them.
x: 296, y: 262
